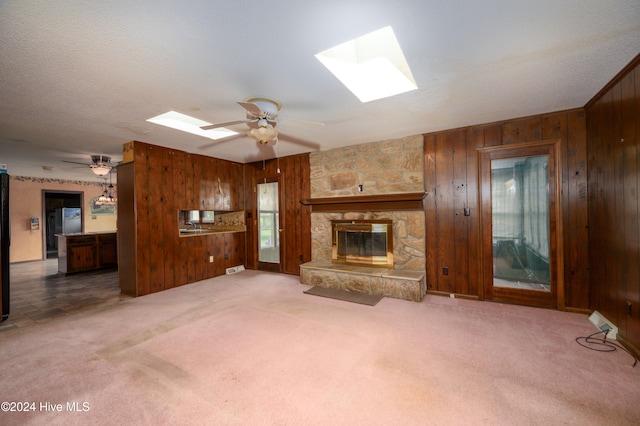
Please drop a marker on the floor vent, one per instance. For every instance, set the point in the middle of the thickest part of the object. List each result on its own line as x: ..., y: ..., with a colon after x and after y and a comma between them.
x: 603, y: 324
x: 235, y: 269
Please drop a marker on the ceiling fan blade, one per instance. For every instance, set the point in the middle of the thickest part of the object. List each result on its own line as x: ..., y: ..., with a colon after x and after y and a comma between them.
x: 252, y: 108
x: 226, y: 123
x: 221, y: 141
x: 298, y: 141
x: 302, y: 124
x: 75, y: 162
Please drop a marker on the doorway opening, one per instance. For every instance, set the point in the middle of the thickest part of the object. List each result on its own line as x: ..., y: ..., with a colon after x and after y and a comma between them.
x: 62, y: 213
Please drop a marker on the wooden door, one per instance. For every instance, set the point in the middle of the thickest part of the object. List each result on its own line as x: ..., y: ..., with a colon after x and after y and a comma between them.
x: 521, y: 224
x: 269, y: 226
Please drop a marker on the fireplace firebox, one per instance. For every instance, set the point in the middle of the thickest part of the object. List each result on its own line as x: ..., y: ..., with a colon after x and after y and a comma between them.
x: 362, y: 242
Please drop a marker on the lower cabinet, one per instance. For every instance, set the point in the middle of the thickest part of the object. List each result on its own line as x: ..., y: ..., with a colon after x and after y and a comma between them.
x: 210, y: 255
x: 77, y: 253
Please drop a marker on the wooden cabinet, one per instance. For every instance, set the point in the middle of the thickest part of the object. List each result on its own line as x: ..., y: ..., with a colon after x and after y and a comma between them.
x: 107, y: 250
x: 86, y: 252
x: 151, y: 190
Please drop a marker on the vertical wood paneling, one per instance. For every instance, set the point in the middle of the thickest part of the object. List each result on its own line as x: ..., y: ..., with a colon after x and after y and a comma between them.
x: 170, y: 219
x: 609, y: 202
x: 143, y: 226
x: 164, y: 181
x: 575, y: 213
x: 444, y: 203
x: 156, y: 209
x: 460, y: 269
x: 181, y: 250
x: 127, y: 265
x: 613, y: 127
x: 445, y: 174
x: 476, y: 139
x: 618, y: 178
x: 633, y: 288
x: 630, y: 265
x: 219, y: 255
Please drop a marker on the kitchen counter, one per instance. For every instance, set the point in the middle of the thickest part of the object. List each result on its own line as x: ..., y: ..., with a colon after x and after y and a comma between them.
x: 214, y: 229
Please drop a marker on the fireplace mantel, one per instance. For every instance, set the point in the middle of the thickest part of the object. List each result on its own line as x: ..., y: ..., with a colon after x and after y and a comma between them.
x: 359, y: 203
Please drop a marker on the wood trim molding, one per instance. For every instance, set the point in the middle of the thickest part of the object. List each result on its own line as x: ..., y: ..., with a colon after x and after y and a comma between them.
x: 359, y: 203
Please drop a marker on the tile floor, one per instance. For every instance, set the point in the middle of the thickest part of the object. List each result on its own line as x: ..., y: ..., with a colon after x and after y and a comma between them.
x: 38, y: 292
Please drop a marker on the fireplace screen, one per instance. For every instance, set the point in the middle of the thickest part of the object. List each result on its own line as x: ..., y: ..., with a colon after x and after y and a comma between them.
x: 363, y: 242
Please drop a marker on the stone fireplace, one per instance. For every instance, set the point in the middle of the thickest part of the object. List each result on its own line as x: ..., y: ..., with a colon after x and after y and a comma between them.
x: 362, y: 242
x: 380, y: 183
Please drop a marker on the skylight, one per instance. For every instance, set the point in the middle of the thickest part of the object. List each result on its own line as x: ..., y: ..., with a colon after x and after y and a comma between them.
x: 372, y: 66
x: 189, y: 124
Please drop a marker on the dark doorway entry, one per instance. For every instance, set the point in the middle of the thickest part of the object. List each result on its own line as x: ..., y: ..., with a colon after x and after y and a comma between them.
x: 52, y: 202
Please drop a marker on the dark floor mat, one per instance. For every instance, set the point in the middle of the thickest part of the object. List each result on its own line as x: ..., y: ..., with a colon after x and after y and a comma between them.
x: 347, y: 296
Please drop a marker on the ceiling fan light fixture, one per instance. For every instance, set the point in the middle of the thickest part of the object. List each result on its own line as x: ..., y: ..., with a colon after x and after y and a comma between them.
x: 263, y: 133
x: 100, y: 169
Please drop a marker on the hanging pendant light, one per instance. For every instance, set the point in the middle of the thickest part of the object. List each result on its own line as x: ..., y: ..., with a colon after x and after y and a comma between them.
x: 106, y: 198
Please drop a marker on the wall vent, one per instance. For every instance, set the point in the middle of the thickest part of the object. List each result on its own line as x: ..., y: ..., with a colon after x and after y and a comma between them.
x: 602, y: 324
x: 235, y: 269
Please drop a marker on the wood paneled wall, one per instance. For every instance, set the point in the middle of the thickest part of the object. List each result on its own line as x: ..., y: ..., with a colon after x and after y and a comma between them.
x: 159, y: 182
x: 296, y: 218
x: 613, y: 123
x: 451, y: 179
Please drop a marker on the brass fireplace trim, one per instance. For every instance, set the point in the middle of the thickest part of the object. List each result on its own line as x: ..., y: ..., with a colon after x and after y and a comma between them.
x: 362, y: 226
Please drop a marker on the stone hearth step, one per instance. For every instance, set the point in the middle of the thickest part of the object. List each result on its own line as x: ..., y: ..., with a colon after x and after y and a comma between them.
x: 396, y: 283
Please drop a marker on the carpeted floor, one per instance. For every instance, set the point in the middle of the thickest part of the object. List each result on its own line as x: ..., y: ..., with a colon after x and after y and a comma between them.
x: 252, y: 348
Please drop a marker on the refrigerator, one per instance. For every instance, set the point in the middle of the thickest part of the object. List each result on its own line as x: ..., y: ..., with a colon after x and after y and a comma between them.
x: 68, y: 220
x: 5, y: 242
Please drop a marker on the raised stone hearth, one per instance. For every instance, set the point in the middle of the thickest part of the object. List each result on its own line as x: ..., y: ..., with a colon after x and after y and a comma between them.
x: 399, y: 284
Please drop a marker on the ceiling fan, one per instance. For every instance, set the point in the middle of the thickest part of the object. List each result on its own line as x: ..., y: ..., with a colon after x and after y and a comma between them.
x: 101, y: 164
x: 262, y: 118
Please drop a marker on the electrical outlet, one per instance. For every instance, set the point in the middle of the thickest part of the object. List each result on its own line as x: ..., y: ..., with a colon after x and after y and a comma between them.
x: 445, y: 271
x: 628, y: 308
x: 210, y: 259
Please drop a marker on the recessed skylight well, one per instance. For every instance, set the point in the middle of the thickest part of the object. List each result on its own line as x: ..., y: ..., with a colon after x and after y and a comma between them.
x: 189, y: 124
x: 372, y: 66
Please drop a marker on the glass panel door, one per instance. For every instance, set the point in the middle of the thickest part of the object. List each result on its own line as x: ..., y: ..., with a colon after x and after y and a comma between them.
x: 268, y: 223
x: 520, y: 222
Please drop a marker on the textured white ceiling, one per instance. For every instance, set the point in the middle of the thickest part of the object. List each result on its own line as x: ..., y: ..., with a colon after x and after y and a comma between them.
x: 81, y: 77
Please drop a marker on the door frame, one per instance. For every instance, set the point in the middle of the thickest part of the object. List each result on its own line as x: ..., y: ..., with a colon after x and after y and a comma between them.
x: 269, y: 266
x: 554, y: 299
x: 44, y: 226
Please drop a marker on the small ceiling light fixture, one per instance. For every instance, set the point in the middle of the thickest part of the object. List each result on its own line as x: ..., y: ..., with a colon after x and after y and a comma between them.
x: 372, y: 66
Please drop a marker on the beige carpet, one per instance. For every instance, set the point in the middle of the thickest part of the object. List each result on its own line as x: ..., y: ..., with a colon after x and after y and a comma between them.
x: 253, y: 349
